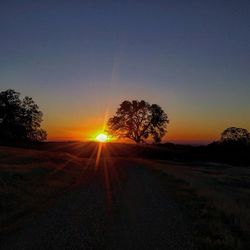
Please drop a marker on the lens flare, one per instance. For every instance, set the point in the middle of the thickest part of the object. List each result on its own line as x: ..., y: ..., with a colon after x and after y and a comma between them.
x: 102, y: 137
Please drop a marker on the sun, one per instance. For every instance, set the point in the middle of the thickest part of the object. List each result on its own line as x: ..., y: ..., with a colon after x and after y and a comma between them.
x: 101, y: 137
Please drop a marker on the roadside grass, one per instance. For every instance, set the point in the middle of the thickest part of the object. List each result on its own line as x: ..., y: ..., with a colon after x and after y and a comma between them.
x: 216, y: 197
x: 32, y: 180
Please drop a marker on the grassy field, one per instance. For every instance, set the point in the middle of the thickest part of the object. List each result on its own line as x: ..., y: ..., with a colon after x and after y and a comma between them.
x: 31, y: 180
x: 215, y: 195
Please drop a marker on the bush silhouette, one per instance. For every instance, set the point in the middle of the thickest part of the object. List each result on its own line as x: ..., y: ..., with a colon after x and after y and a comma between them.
x: 235, y: 135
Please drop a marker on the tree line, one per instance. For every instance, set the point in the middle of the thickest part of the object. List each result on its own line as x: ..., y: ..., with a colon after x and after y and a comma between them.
x: 20, y: 122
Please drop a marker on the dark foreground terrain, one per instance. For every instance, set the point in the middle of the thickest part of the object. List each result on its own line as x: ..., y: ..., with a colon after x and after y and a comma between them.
x: 94, y: 196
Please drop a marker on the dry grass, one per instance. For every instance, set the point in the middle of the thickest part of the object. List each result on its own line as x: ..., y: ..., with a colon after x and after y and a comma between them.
x: 31, y: 180
x: 218, y: 198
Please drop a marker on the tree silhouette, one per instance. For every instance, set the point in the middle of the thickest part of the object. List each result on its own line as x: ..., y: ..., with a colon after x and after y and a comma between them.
x: 138, y: 120
x: 233, y: 134
x: 19, y: 119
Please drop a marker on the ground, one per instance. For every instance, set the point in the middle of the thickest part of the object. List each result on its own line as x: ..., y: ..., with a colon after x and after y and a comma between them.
x: 102, y: 196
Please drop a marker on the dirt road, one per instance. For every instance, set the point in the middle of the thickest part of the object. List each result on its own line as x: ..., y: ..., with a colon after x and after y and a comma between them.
x: 123, y: 206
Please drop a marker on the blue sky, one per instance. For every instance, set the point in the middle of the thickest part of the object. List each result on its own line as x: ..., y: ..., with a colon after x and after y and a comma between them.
x: 78, y: 58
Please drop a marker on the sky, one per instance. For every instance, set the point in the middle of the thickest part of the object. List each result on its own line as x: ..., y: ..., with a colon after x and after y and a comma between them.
x: 80, y: 59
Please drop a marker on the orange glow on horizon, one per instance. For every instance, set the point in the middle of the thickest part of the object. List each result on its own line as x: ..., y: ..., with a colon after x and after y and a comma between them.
x: 178, y: 131
x: 90, y: 133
